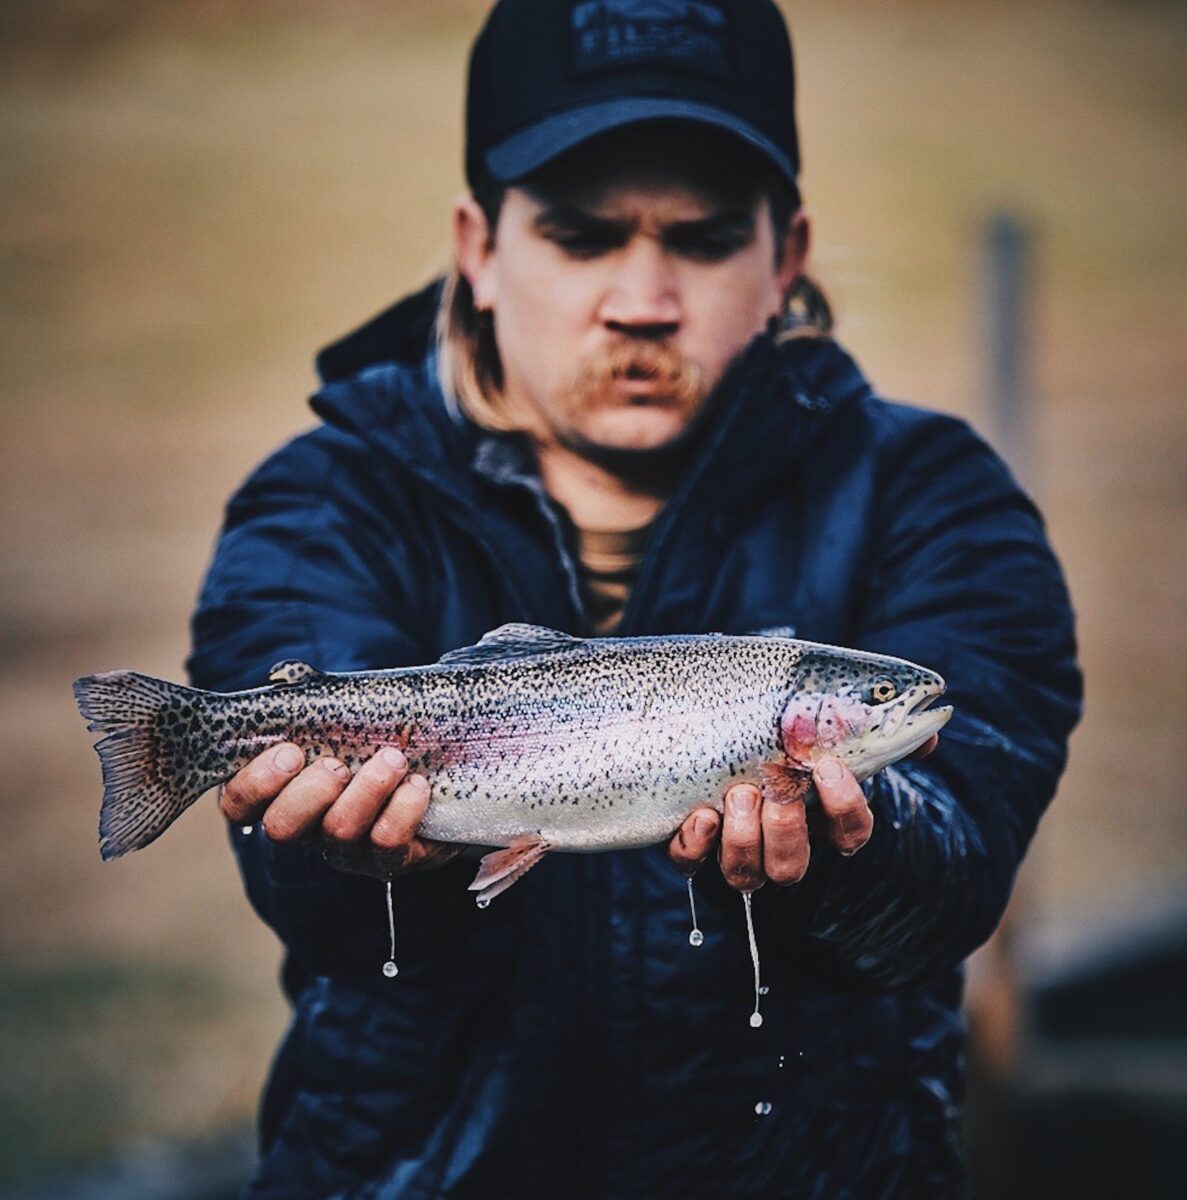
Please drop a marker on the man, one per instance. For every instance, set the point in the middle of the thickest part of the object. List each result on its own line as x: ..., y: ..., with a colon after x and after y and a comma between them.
x: 633, y: 421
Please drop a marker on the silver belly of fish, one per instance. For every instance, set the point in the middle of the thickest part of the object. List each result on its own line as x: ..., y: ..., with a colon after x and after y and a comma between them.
x: 569, y: 758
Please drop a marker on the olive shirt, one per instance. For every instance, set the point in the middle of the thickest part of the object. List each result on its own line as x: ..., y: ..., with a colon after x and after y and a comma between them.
x: 608, y: 564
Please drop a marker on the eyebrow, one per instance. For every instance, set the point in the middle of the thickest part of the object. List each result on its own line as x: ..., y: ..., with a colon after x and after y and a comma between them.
x: 568, y: 217
x: 735, y: 223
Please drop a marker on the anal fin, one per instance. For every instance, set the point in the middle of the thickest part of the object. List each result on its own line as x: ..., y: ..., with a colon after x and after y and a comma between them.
x: 781, y: 783
x: 501, y: 868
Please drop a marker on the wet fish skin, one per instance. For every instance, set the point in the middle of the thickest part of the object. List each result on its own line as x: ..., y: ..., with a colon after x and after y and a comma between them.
x: 531, y: 738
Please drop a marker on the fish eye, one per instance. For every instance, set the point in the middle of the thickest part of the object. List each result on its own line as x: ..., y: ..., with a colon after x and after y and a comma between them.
x: 882, y: 690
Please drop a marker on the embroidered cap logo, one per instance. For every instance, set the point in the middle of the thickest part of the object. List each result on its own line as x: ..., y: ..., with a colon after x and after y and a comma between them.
x: 617, y: 34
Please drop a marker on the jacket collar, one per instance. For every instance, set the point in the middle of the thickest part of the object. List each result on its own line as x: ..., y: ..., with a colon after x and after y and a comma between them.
x: 770, y: 406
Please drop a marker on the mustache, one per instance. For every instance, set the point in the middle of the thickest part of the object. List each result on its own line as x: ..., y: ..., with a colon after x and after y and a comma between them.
x: 681, y: 380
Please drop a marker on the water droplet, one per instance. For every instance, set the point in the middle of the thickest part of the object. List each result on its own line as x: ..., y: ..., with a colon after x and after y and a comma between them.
x: 762, y: 991
x: 389, y: 968
x: 781, y: 1058
x: 246, y: 829
x: 756, y: 1016
x: 482, y: 901
x: 695, y: 937
x: 762, y: 1108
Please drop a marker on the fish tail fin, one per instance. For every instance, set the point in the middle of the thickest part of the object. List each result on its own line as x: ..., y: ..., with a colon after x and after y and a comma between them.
x: 148, y: 757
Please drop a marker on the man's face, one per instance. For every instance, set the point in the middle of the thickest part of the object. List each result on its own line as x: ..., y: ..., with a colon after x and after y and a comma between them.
x: 623, y: 287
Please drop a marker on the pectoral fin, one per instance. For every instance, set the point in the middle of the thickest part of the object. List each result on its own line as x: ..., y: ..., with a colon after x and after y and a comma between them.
x: 781, y: 783
x: 501, y: 868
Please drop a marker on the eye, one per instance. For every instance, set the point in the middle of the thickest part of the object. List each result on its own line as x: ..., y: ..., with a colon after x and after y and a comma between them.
x: 882, y: 690
x: 581, y: 236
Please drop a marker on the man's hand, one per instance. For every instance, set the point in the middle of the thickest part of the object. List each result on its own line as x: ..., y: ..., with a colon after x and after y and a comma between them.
x: 366, y: 824
x: 763, y: 840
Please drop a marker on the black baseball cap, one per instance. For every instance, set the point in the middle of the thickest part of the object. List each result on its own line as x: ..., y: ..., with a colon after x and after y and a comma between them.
x: 547, y: 75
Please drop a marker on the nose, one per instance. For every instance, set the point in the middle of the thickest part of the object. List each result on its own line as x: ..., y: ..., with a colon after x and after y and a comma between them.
x: 642, y: 298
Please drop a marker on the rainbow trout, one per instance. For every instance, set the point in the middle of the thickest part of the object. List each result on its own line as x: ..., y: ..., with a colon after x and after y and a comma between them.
x: 532, y: 740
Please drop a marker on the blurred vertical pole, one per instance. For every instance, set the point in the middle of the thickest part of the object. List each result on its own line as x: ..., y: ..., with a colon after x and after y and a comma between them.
x: 1007, y: 256
x: 994, y: 1005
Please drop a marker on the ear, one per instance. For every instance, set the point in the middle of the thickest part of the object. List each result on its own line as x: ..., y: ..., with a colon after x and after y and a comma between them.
x: 473, y: 248
x: 797, y: 241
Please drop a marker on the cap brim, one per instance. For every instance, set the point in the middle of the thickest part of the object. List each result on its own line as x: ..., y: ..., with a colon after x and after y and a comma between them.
x: 530, y: 149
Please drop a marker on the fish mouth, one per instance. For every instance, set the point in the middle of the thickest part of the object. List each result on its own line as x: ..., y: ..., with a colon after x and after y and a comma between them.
x: 901, y: 733
x: 921, y: 720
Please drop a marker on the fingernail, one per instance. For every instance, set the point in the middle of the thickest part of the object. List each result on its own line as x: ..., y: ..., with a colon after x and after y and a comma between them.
x: 393, y: 757
x: 742, y: 801
x: 704, y: 826
x: 829, y: 770
x: 336, y: 767
x: 420, y: 782
x: 288, y: 758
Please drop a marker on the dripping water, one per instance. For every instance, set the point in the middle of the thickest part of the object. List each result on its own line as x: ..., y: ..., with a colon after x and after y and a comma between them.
x: 756, y: 1016
x: 695, y: 936
x: 389, y: 968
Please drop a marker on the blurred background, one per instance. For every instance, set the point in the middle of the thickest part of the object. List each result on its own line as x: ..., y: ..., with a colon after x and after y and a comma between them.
x: 197, y: 196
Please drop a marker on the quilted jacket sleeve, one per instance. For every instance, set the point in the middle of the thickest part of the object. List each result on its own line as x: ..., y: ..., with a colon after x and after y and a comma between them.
x: 308, y: 568
x: 959, y: 578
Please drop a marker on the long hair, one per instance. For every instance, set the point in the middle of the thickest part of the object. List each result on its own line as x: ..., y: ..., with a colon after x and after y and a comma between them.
x: 468, y: 357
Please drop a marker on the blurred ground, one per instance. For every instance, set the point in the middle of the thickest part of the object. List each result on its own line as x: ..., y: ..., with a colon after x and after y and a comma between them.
x: 191, y: 203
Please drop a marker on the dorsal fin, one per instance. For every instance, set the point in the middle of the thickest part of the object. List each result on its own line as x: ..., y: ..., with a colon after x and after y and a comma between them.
x: 515, y: 640
x: 291, y: 671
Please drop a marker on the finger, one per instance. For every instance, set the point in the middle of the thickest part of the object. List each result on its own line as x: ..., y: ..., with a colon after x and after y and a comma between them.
x: 246, y: 794
x: 785, y: 845
x: 396, y: 826
x: 741, y: 839
x: 847, y: 816
x: 300, y: 806
x: 927, y: 747
x: 694, y: 840
x: 353, y: 813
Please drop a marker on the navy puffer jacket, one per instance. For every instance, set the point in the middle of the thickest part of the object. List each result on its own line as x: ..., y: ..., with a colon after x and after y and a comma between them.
x: 568, y: 1041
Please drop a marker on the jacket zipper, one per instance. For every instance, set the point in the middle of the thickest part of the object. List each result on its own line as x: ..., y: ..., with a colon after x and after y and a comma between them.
x: 574, y: 883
